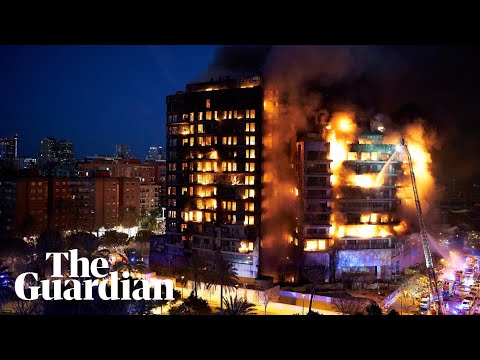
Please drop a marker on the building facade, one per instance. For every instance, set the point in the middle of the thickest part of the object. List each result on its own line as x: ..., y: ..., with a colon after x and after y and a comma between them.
x: 123, y: 151
x: 9, y: 148
x: 214, y: 170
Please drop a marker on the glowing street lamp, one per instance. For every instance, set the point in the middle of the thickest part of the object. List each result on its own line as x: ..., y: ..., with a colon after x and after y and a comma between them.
x: 182, y: 285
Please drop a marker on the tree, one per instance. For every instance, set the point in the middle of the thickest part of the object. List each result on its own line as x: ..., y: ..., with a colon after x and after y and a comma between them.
x: 315, y: 275
x: 236, y: 306
x: 197, y: 271
x: 28, y: 227
x: 88, y: 245
x: 115, y: 240
x: 191, y: 306
x: 128, y: 262
x: 48, y: 241
x: 373, y: 308
x: 14, y: 248
x: 145, y: 307
x: 347, y: 305
x: 129, y: 217
x: 393, y: 312
x: 27, y: 307
x: 148, y: 221
x: 265, y: 296
x: 143, y: 239
x: 225, y: 275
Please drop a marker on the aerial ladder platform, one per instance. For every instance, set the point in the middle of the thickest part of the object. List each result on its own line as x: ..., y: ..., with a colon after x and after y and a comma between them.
x: 424, y: 236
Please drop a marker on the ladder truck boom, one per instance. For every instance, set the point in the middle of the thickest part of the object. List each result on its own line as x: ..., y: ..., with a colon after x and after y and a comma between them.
x: 423, y: 234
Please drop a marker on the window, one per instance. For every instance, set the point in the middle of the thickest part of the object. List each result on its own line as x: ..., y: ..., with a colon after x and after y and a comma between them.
x: 208, y: 115
x: 250, y: 153
x: 201, y: 129
x: 250, y: 140
x: 201, y: 141
x: 249, y: 220
x: 185, y: 117
x: 250, y: 166
x: 249, y: 193
x: 229, y: 205
x: 185, y: 142
x: 249, y: 180
x: 208, y: 140
x: 192, y: 141
x: 247, y: 114
x: 250, y: 127
x: 252, y: 114
x: 207, y: 104
x: 249, y: 206
x: 230, y: 114
x: 200, y: 115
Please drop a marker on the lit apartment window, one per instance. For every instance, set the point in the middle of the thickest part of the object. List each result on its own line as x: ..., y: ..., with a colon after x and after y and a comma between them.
x: 250, y: 153
x: 249, y: 180
x: 249, y: 220
x: 200, y: 129
x: 201, y: 141
x: 249, y: 193
x: 250, y: 127
x: 224, y: 114
x: 230, y: 114
x: 192, y: 141
x: 208, y: 140
x: 249, y: 206
x: 200, y: 115
x: 250, y: 140
x: 208, y: 115
x: 192, y: 129
x: 215, y: 115
x: 207, y: 103
x: 250, y: 167
x: 252, y: 114
x: 247, y: 114
x: 185, y: 142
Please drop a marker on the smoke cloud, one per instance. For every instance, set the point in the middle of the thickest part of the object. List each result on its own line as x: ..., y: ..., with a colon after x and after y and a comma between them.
x: 302, y: 80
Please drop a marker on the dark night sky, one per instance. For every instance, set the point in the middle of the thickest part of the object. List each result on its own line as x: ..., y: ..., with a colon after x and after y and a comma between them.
x: 97, y: 96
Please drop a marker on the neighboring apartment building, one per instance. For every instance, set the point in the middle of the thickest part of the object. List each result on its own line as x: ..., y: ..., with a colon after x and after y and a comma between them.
x: 67, y: 203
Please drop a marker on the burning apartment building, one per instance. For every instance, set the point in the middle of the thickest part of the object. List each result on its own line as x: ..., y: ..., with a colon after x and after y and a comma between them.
x: 277, y: 196
x: 214, y: 170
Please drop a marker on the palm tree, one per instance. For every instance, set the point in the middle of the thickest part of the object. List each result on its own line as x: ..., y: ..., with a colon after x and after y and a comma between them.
x: 197, y: 271
x: 129, y: 263
x: 224, y: 275
x: 236, y: 306
x: 88, y: 245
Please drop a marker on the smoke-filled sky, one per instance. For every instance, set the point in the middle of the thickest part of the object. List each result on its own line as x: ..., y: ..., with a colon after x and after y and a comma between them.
x: 97, y: 96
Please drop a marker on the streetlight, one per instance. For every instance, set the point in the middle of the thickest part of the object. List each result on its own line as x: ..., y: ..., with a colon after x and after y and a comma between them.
x: 303, y: 304
x: 182, y: 285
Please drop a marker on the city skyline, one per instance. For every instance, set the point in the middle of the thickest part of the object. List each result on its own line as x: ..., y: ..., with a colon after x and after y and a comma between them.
x: 66, y: 91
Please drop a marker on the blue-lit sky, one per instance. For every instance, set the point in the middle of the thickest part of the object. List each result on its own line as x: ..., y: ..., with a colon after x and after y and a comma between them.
x: 95, y: 96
